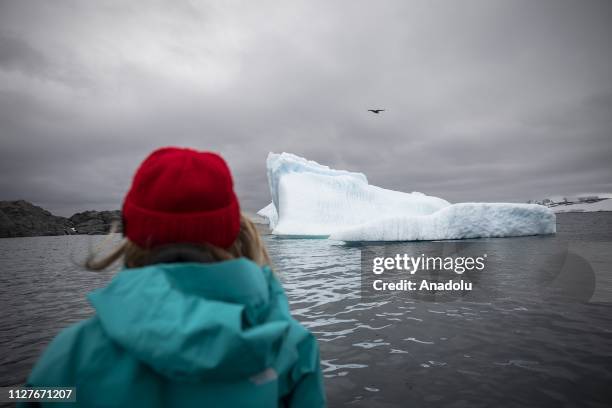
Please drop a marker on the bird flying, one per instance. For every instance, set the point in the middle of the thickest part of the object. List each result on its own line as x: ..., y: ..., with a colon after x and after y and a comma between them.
x: 376, y: 111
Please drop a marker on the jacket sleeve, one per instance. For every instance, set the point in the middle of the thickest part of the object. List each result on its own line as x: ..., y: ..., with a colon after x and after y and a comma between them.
x: 308, y: 391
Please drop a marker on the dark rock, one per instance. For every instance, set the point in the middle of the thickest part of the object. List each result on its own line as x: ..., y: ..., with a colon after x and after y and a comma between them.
x: 95, y: 222
x: 23, y: 219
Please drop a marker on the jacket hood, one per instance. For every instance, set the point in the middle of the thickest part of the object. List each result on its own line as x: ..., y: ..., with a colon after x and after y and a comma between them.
x: 195, y: 320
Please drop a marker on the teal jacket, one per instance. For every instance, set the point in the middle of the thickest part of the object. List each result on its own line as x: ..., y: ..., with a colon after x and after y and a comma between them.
x: 187, y: 335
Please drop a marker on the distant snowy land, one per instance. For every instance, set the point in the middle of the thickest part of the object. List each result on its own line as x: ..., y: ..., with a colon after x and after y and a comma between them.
x: 579, y: 204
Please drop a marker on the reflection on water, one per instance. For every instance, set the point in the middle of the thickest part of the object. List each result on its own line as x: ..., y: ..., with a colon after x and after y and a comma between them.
x: 537, y: 329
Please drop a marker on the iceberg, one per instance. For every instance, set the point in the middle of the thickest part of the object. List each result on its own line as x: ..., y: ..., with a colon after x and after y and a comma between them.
x: 457, y: 221
x: 269, y: 213
x: 313, y: 200
x: 309, y: 199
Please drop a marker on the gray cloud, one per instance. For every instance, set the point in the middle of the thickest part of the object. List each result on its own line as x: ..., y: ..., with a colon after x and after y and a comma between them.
x: 487, y: 100
x: 16, y: 54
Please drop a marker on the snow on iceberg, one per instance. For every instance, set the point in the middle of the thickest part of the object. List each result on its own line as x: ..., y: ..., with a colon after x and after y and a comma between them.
x: 310, y: 199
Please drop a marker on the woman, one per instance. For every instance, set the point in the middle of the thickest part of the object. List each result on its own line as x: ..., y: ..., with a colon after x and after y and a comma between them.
x: 196, y: 317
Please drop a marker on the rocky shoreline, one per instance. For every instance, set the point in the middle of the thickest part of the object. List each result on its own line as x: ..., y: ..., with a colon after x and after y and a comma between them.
x: 21, y: 218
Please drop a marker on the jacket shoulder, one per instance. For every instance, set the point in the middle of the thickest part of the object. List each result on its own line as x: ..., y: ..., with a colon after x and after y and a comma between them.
x: 75, y: 351
x: 301, y: 384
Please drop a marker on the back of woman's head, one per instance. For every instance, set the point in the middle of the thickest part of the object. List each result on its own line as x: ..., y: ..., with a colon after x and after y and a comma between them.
x: 181, y: 206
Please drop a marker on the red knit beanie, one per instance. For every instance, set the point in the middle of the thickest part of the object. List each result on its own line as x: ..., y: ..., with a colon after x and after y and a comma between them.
x: 181, y: 195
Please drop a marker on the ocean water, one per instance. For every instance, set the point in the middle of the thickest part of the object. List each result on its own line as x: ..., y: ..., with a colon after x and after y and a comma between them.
x: 536, y: 330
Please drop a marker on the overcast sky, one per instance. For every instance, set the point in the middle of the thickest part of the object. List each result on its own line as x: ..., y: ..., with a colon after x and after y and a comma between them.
x: 486, y: 100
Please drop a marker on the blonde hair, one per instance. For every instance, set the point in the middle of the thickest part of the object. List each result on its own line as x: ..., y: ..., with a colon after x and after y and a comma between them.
x: 248, y: 244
